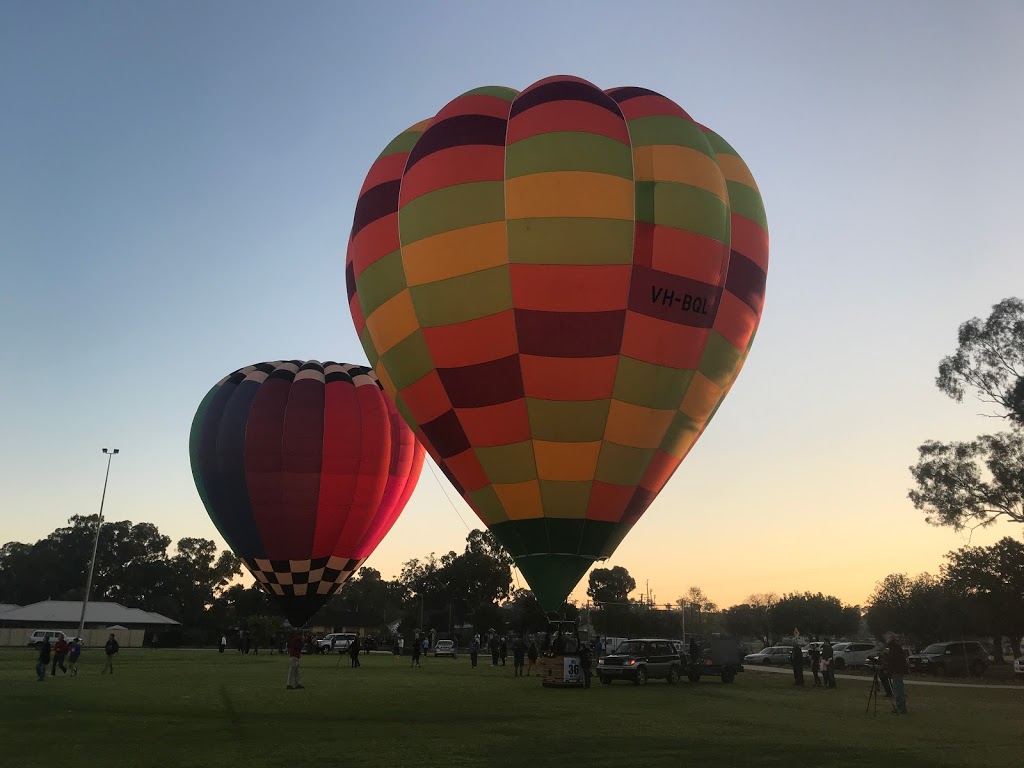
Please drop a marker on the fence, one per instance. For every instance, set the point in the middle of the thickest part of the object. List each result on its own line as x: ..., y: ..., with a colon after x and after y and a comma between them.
x: 126, y: 638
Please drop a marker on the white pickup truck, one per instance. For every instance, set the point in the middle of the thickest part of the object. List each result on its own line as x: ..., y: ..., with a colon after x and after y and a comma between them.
x: 340, y: 641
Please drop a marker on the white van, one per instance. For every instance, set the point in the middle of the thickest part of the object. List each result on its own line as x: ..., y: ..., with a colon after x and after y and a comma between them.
x: 53, y: 635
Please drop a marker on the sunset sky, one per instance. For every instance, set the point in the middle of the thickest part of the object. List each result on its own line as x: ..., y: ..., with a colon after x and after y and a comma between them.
x: 177, y: 184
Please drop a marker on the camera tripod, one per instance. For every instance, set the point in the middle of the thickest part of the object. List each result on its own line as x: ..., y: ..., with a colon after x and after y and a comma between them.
x: 879, y: 680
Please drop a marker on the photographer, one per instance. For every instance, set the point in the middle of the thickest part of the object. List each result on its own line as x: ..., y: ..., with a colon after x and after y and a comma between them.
x: 895, y: 663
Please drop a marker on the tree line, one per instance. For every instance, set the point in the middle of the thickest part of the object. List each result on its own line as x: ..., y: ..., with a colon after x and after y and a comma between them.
x: 979, y: 591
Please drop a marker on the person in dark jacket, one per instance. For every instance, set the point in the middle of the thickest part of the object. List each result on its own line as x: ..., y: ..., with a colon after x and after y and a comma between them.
x: 896, y: 667
x: 797, y: 659
x: 110, y: 648
x: 417, y: 646
x: 585, y: 663
x: 518, y: 655
x: 353, y: 652
x: 503, y: 651
x: 73, y: 655
x: 815, y: 656
x: 694, y: 651
x: 43, y: 660
x: 474, y: 650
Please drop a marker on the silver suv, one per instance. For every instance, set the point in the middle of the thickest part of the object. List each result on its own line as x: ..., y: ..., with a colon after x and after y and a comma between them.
x: 641, y: 660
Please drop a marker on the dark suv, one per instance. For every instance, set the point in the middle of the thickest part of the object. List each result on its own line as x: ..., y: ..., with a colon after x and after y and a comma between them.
x: 950, y: 659
x: 640, y: 660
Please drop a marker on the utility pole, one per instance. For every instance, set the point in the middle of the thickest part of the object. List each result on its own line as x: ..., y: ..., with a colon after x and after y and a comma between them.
x: 96, y: 543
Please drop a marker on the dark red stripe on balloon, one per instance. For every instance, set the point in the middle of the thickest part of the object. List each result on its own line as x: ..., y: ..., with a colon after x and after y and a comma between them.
x: 376, y: 203
x: 374, y: 458
x: 569, y: 334
x: 746, y: 280
x: 262, y: 453
x: 342, y: 449
x: 445, y: 435
x: 490, y: 383
x: 458, y: 131
x: 562, y: 90
x: 301, y: 449
x: 626, y: 93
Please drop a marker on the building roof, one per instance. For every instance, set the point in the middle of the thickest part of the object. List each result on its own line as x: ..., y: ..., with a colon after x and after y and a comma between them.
x: 61, y: 612
x: 8, y: 607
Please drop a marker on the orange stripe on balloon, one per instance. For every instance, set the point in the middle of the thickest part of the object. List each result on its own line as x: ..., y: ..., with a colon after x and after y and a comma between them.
x: 570, y: 288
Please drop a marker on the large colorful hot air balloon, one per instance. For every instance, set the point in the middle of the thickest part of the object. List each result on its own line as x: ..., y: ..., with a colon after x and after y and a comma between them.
x: 558, y: 287
x: 303, y: 467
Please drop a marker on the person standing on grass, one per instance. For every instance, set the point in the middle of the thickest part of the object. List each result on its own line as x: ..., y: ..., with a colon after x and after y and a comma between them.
x: 60, y: 650
x: 43, y: 661
x: 503, y: 651
x: 827, y: 671
x: 532, y: 653
x: 474, y: 650
x: 75, y: 652
x: 416, y: 646
x: 518, y: 655
x: 294, y: 654
x: 585, y: 663
x: 353, y: 652
x: 110, y: 648
x: 815, y: 656
x: 797, y: 660
x: 694, y: 651
x: 896, y: 667
x: 223, y: 643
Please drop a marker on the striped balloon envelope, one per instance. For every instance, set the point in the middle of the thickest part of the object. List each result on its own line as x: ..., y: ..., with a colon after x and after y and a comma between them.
x: 303, y: 468
x: 558, y: 287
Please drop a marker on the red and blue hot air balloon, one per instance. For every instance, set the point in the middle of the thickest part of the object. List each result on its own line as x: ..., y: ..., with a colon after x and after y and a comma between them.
x: 303, y: 467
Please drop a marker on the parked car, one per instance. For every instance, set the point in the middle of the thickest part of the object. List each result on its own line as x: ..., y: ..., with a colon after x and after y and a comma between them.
x: 853, y: 654
x: 775, y: 654
x: 640, y: 660
x: 339, y: 641
x: 445, y: 648
x: 53, y: 635
x: 951, y: 659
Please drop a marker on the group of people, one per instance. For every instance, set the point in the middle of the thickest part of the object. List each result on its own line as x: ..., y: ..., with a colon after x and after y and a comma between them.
x: 892, y: 660
x: 821, y: 665
x: 72, y: 651
x: 523, y: 649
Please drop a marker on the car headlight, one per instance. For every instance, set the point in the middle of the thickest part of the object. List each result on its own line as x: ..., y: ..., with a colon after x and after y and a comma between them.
x: 632, y: 662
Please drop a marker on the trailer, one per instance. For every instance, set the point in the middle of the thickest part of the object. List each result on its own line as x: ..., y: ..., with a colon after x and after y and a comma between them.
x: 721, y: 657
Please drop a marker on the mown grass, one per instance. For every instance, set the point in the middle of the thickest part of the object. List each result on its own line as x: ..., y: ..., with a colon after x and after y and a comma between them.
x: 174, y: 709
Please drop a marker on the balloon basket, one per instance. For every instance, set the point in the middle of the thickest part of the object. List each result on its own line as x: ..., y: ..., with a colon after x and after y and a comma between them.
x: 560, y: 672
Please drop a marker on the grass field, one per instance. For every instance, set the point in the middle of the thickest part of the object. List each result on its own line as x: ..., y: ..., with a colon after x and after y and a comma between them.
x: 171, y: 709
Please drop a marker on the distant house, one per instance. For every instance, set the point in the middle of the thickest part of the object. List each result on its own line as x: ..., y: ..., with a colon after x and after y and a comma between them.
x: 8, y: 607
x: 129, y: 625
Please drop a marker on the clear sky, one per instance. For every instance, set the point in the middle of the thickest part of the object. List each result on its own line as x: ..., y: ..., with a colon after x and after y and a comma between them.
x: 177, y: 183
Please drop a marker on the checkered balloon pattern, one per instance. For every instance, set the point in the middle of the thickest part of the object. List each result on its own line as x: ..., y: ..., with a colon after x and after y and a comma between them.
x: 558, y: 288
x: 303, y: 467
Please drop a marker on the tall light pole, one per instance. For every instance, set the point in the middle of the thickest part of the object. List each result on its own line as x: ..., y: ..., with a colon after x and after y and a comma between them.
x: 96, y: 543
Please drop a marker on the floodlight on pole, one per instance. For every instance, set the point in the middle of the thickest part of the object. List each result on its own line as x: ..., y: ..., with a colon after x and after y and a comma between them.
x: 96, y: 542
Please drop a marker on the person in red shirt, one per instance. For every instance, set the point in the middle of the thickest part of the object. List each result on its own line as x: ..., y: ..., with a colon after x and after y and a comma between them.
x: 294, y: 654
x: 60, y: 650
